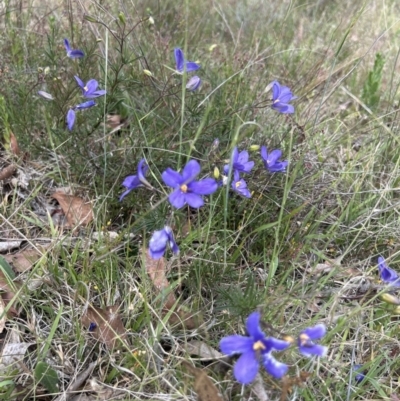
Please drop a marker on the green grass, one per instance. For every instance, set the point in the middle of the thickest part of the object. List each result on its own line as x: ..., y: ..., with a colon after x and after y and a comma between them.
x: 337, y: 205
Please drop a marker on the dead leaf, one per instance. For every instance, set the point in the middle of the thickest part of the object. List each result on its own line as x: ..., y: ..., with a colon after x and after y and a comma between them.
x: 7, y: 172
x: 156, y: 269
x: 204, y: 387
x: 76, y: 210
x: 200, y: 348
x: 8, y: 245
x: 14, y: 145
x: 106, y: 324
x: 289, y: 382
x: 13, y: 352
x: 24, y: 260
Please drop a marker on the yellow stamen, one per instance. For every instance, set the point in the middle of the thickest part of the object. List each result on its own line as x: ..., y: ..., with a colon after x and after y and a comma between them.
x: 258, y: 346
x: 85, y: 88
x: 304, y: 339
x: 184, y: 188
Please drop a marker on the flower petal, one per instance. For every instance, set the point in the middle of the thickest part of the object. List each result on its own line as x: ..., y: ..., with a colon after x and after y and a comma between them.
x: 243, y: 157
x: 190, y: 171
x: 316, y: 332
x: 246, y: 368
x: 79, y: 82
x: 76, y: 54
x: 253, y: 326
x: 91, y: 86
x: 179, y: 59
x: 203, y: 187
x: 171, y: 178
x: 85, y: 105
x: 236, y: 344
x: 286, y: 95
x: 264, y: 153
x: 273, y: 367
x: 70, y: 119
x: 276, y: 90
x: 191, y: 66
x: 124, y: 194
x: 273, y: 157
x: 177, y: 198
x: 66, y: 45
x: 132, y: 181
x: 194, y: 200
x: 276, y: 344
x: 311, y: 349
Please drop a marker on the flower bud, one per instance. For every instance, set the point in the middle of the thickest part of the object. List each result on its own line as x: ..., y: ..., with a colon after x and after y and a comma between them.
x: 148, y: 73
x: 254, y: 148
x: 212, y: 47
x: 193, y: 83
x: 121, y: 17
x: 216, y: 172
x: 390, y: 299
x: 151, y: 20
x: 90, y: 18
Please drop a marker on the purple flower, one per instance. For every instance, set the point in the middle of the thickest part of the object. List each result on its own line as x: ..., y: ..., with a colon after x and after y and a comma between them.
x: 70, y: 119
x: 281, y: 96
x: 71, y: 53
x: 240, y: 162
x: 193, y: 83
x: 254, y: 347
x: 239, y: 185
x: 159, y: 240
x: 186, y: 189
x: 181, y: 62
x: 90, y: 89
x: 305, y: 341
x: 388, y: 275
x: 136, y: 181
x: 359, y: 374
x: 92, y: 326
x: 271, y: 162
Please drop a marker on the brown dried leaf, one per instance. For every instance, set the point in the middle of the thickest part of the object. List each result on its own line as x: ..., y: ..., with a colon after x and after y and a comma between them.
x: 109, y: 327
x: 7, y: 172
x: 204, y: 387
x: 203, y: 350
x: 14, y: 145
x: 156, y: 269
x: 24, y: 260
x: 77, y: 211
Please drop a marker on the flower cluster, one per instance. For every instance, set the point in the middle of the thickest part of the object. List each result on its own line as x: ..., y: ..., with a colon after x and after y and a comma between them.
x: 257, y: 347
x: 188, y: 190
x: 89, y: 90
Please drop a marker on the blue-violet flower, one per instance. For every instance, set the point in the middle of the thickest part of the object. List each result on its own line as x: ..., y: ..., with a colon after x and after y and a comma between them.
x: 388, y: 275
x: 159, y: 240
x: 70, y: 119
x: 254, y: 347
x: 358, y: 370
x: 90, y: 89
x: 71, y: 53
x: 186, y: 189
x: 240, y: 162
x: 137, y: 180
x: 281, y: 96
x: 183, y: 65
x: 271, y: 162
x: 239, y: 185
x: 305, y: 341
